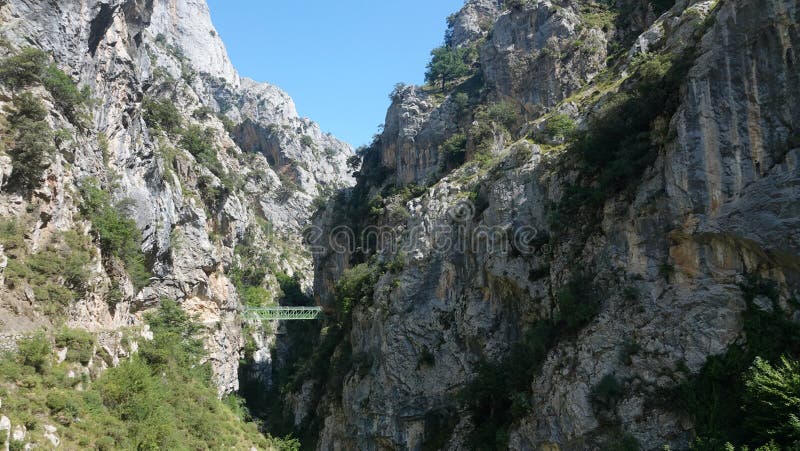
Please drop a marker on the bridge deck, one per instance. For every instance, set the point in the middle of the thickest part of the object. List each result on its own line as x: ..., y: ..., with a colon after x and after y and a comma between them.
x: 282, y: 313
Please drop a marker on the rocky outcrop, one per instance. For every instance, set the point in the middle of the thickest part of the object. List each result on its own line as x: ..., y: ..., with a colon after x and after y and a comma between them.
x: 473, y: 21
x: 667, y: 260
x: 131, y: 51
x: 539, y: 54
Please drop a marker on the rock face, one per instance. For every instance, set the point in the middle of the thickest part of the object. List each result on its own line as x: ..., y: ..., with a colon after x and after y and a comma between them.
x: 268, y: 164
x: 719, y: 202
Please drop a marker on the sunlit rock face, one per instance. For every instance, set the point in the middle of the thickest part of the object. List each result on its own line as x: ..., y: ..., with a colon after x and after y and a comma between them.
x: 271, y: 164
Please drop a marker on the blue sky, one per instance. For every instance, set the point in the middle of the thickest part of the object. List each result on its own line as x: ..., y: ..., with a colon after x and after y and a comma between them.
x: 337, y: 59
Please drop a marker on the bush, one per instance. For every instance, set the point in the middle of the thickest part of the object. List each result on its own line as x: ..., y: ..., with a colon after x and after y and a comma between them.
x: 498, y: 395
x: 504, y: 113
x: 79, y: 343
x: 453, y: 150
x: 33, y: 141
x: 65, y: 92
x: 118, y: 236
x: 606, y: 394
x: 307, y: 141
x: 32, y: 66
x: 356, y: 286
x: 161, y: 114
x: 198, y: 141
x: 619, y: 144
x: 714, y: 397
x: 622, y: 442
x: 578, y: 304
x: 34, y: 352
x: 57, y: 273
x: 560, y: 127
x: 25, y: 68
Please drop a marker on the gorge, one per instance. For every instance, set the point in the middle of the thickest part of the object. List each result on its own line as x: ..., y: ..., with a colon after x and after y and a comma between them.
x: 583, y: 232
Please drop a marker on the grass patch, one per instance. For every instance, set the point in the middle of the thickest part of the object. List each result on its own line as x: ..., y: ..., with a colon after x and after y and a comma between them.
x: 57, y: 273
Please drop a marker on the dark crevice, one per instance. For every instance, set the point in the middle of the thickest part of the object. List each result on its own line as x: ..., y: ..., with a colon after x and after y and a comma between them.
x: 99, y: 26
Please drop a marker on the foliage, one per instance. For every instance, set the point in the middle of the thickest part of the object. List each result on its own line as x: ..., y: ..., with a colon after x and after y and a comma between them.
x: 161, y: 114
x: 560, y: 127
x: 65, y: 92
x: 79, y: 343
x: 118, y: 235
x: 25, y: 68
x: 772, y: 401
x: 57, y: 273
x: 622, y: 139
x: 606, y: 394
x: 622, y: 442
x: 144, y: 403
x: 307, y: 141
x: 504, y: 113
x: 578, y: 304
x: 498, y: 394
x: 356, y: 286
x: 199, y: 142
x: 453, y: 150
x: 714, y: 397
x: 32, y: 66
x: 447, y: 63
x: 32, y: 141
x: 34, y: 352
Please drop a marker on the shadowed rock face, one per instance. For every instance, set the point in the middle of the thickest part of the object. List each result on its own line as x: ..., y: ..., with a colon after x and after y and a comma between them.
x: 719, y: 202
x: 127, y: 51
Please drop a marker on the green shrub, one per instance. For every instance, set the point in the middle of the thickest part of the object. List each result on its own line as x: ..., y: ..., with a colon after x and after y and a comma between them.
x: 622, y: 442
x: 578, y: 304
x: 167, y: 403
x: 504, y: 113
x: 198, y: 141
x: 772, y: 401
x: 618, y: 145
x: 714, y: 397
x: 560, y: 126
x: 498, y: 395
x: 34, y: 352
x: 33, y: 141
x: 606, y: 394
x: 161, y: 114
x: 453, y: 150
x: 307, y: 141
x: 79, y: 343
x: 25, y: 68
x: 32, y: 66
x: 57, y: 273
x: 65, y: 92
x: 254, y: 296
x: 118, y: 236
x: 356, y: 286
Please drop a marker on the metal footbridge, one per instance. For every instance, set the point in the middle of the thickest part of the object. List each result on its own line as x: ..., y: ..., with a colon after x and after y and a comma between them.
x: 281, y: 313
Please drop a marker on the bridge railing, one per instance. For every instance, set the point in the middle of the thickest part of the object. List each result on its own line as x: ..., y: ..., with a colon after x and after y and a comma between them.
x: 282, y: 313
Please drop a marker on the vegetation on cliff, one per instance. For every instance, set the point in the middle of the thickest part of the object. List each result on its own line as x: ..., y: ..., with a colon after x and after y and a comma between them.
x: 160, y: 398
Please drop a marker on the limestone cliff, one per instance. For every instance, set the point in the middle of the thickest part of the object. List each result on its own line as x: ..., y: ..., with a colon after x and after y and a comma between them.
x: 220, y: 183
x: 566, y: 234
